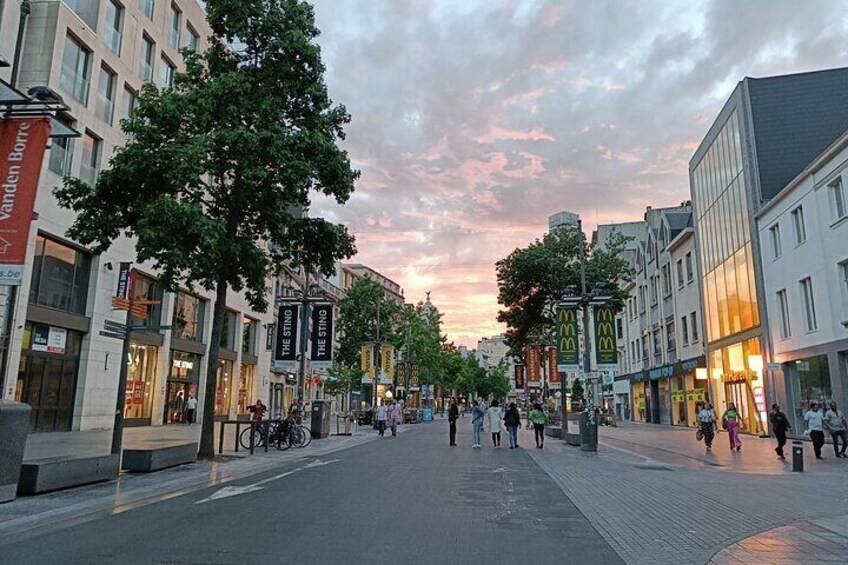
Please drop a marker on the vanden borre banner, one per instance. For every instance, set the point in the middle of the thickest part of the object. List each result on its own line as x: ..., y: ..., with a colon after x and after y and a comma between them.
x: 533, y: 360
x: 387, y: 364
x: 519, y: 377
x: 554, y: 380
x: 606, y: 351
x: 568, y: 344
x: 366, y: 357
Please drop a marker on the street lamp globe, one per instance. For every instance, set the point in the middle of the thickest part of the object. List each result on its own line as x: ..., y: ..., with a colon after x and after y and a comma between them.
x: 389, y: 394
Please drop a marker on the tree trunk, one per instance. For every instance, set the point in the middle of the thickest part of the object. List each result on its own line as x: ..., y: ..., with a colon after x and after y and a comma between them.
x: 207, y: 432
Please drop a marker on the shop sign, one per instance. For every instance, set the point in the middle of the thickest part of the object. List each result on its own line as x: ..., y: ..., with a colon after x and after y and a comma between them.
x: 413, y: 378
x: 366, y: 362
x: 519, y: 377
x: 387, y: 363
x: 125, y: 281
x: 534, y: 366
x: 49, y: 339
x: 554, y: 376
x: 568, y: 351
x: 322, y: 336
x: 285, y: 355
x: 678, y: 396
x: 606, y: 350
x: 679, y: 369
x: 696, y: 395
x: 22, y: 144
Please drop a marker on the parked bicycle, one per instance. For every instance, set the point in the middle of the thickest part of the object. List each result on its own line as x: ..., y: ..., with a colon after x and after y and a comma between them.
x: 280, y: 436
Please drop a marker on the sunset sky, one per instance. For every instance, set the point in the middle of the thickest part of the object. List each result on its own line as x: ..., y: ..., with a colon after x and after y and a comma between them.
x: 473, y: 120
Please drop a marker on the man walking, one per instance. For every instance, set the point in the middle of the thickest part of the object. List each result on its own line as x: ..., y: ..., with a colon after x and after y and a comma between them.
x: 815, y: 424
x: 191, y: 409
x: 477, y: 414
x: 382, y: 413
x: 394, y: 417
x: 780, y: 425
x: 835, y: 422
x: 453, y: 414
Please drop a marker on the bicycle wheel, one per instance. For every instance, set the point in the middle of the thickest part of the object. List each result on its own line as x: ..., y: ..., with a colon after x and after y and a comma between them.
x: 283, y: 440
x: 306, y: 436
x: 258, y: 440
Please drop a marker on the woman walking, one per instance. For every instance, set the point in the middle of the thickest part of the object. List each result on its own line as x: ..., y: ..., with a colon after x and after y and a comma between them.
x: 512, y: 420
x: 730, y: 422
x: 477, y: 415
x: 706, y: 419
x: 495, y: 416
x: 539, y: 420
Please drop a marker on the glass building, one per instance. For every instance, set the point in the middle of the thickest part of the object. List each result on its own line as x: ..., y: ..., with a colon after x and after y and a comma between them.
x: 766, y: 133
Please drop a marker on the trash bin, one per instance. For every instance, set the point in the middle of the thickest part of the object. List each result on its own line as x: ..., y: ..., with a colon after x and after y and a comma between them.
x: 320, y: 419
x: 588, y: 431
x: 797, y: 457
x: 14, y: 421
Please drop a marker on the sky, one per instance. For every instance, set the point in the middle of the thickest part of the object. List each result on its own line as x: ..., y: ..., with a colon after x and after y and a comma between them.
x: 474, y: 120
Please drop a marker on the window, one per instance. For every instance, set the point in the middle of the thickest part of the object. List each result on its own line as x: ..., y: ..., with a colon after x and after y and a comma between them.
x: 228, y: 331
x: 657, y: 342
x: 149, y: 290
x: 174, y: 23
x: 843, y: 277
x: 783, y: 305
x: 619, y: 328
x: 666, y: 280
x: 798, y: 223
x: 92, y: 147
x: 809, y: 304
x: 646, y: 351
x: 129, y: 100
x: 188, y: 317
x: 166, y: 74
x: 685, y: 327
x: 248, y: 335
x: 147, y: 6
x: 680, y: 279
x: 670, y: 337
x: 106, y: 95
x: 642, y: 292
x: 76, y: 69
x: 774, y: 235
x: 59, y: 276
x: 192, y: 40
x: 690, y: 271
x: 653, y: 291
x: 61, y: 153
x: 693, y: 318
x: 145, y: 71
x: 114, y: 24
x: 836, y: 194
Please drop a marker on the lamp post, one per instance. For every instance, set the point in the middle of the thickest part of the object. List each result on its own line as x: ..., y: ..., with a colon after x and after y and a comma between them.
x: 305, y: 297
x: 26, y: 10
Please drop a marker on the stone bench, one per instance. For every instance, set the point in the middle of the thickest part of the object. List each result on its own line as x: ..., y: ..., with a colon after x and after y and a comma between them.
x: 553, y: 431
x: 55, y: 473
x: 572, y: 439
x: 148, y: 459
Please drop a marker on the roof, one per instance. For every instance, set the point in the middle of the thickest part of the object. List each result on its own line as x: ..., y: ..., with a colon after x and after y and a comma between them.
x: 677, y: 222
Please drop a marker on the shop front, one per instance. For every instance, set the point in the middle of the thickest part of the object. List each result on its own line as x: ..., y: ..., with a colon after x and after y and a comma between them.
x: 183, y: 379
x: 737, y: 374
x: 47, y: 375
x: 809, y: 379
x: 246, y: 388
x: 141, y: 382
x: 671, y: 394
x: 223, y: 389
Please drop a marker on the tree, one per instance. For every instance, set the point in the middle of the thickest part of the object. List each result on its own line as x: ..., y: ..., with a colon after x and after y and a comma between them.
x: 358, y: 320
x: 532, y: 280
x: 214, y: 165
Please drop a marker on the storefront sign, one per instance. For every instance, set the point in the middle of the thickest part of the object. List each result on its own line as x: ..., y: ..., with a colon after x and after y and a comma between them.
x: 519, y: 377
x: 285, y: 355
x: 568, y: 356
x: 366, y: 362
x: 533, y: 361
x: 49, y: 339
x: 125, y: 280
x: 387, y: 363
x: 679, y: 369
x: 322, y: 336
x: 22, y: 144
x: 402, y: 368
x: 606, y: 350
x: 554, y: 376
x: 413, y: 378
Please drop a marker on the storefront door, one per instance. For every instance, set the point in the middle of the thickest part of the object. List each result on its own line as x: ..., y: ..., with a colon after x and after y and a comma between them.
x: 738, y: 393
x: 177, y: 394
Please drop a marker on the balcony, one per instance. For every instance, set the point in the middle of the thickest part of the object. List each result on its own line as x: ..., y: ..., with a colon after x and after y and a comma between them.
x: 75, y: 83
x: 113, y: 39
x: 105, y: 108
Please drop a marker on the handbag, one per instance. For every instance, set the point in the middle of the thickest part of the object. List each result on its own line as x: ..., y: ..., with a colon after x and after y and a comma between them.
x: 699, y: 435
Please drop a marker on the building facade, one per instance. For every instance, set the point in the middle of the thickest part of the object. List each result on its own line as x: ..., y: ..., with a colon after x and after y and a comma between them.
x: 767, y: 132
x: 804, y: 230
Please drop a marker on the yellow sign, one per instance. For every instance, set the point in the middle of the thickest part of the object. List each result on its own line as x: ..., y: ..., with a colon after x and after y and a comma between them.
x: 366, y: 357
x: 387, y: 363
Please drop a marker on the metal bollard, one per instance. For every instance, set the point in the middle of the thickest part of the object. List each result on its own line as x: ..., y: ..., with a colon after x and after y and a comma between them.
x: 797, y: 457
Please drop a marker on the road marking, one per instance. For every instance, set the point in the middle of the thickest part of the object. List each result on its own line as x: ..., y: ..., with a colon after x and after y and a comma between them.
x: 500, y: 470
x: 227, y: 492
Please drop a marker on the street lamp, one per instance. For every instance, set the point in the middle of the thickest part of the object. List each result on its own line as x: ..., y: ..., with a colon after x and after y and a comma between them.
x: 305, y: 298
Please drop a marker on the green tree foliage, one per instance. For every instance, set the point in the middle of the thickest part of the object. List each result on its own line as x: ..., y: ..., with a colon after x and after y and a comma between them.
x: 532, y: 280
x: 214, y: 166
x: 358, y: 320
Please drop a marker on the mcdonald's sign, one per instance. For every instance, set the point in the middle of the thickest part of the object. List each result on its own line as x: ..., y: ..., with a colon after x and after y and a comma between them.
x: 606, y: 351
x: 568, y: 345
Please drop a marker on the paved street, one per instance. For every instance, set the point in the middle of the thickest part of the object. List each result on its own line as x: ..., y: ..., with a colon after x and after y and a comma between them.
x: 650, y: 495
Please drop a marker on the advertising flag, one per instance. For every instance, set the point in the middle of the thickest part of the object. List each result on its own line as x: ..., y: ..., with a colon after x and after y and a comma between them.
x: 568, y: 347
x: 285, y: 354
x: 387, y: 363
x: 322, y: 336
x: 402, y: 368
x: 414, y: 384
x: 533, y: 360
x: 554, y: 377
x: 606, y: 351
x: 366, y: 359
x: 519, y: 377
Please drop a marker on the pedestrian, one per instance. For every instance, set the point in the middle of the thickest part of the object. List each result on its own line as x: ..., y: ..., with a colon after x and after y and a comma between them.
x: 191, y: 409
x: 382, y: 413
x: 477, y: 415
x: 780, y: 425
x: 527, y: 411
x: 706, y: 420
x: 512, y: 420
x: 836, y: 424
x: 258, y: 410
x: 539, y: 419
x: 394, y: 417
x: 495, y: 415
x: 453, y: 414
x: 815, y: 426
x: 730, y: 422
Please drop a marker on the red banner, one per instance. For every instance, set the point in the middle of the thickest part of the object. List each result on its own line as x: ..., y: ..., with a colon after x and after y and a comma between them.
x: 533, y: 360
x: 22, y: 144
x: 519, y: 377
x: 554, y: 378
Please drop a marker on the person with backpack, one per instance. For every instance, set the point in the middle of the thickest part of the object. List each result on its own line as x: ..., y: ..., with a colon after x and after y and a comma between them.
x: 539, y: 419
x: 512, y: 421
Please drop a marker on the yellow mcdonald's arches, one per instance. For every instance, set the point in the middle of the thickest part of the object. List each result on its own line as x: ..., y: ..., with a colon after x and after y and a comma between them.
x: 606, y: 328
x: 606, y: 344
x: 605, y: 314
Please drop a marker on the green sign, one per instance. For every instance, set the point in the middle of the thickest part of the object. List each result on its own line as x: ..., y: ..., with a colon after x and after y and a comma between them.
x: 606, y: 351
x: 568, y: 348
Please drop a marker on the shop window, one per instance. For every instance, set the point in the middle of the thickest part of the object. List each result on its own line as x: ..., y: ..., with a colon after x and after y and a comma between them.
x: 141, y: 379
x: 248, y: 335
x: 183, y: 379
x: 245, y: 390
x: 813, y: 382
x: 228, y: 331
x: 809, y: 304
x: 223, y: 386
x: 188, y: 317
x: 59, y: 276
x: 151, y: 292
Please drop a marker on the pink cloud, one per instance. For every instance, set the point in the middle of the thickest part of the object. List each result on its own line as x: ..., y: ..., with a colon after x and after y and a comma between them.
x: 497, y: 133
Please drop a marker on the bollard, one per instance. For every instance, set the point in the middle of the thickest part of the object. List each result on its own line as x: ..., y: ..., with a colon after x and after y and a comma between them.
x: 588, y: 431
x: 797, y: 457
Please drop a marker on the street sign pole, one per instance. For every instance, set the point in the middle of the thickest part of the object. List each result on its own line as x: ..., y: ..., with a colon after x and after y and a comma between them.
x: 118, y: 426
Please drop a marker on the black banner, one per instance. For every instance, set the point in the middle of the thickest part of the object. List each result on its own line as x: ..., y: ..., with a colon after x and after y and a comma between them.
x: 124, y: 280
x: 287, y: 321
x: 322, y: 333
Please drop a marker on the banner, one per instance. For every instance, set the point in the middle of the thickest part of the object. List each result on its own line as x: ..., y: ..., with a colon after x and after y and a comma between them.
x: 322, y: 336
x: 519, y: 377
x: 366, y: 359
x: 533, y: 361
x: 285, y: 354
x: 414, y: 384
x: 554, y: 377
x: 387, y: 364
x: 22, y: 145
x: 606, y: 351
x: 568, y: 344
x: 402, y: 368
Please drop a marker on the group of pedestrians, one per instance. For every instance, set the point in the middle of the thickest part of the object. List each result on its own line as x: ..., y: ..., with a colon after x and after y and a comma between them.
x: 388, y: 416
x: 497, y: 417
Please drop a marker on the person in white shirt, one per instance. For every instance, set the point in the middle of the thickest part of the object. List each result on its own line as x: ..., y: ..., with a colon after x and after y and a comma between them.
x: 495, y: 417
x: 191, y: 409
x: 836, y: 424
x: 815, y: 425
x: 382, y: 413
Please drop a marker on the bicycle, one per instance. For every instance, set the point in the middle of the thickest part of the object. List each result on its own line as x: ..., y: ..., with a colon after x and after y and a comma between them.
x: 260, y: 436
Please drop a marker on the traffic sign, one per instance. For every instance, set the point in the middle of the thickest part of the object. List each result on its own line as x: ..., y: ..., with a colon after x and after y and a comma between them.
x: 113, y: 335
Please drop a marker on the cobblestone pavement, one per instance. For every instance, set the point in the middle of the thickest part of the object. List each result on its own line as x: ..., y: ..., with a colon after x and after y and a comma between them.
x: 669, y: 502
x: 812, y: 541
